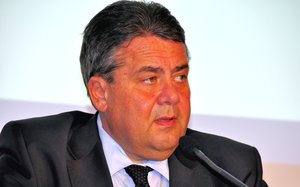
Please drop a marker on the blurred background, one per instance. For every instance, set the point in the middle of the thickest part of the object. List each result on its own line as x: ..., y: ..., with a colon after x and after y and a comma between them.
x: 245, y: 69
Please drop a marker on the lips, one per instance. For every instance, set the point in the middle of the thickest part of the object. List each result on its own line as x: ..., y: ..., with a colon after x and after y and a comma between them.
x: 166, y: 121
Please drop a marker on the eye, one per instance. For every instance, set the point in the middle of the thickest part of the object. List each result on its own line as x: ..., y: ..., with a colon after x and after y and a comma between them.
x: 180, y: 78
x: 150, y: 80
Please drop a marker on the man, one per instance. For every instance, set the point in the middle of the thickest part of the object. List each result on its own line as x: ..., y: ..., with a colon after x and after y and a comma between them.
x: 134, y: 64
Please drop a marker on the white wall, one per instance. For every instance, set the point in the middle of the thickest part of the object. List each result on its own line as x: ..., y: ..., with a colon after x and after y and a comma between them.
x: 245, y: 54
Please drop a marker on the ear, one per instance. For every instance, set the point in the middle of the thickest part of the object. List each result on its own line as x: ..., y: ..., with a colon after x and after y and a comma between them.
x: 97, y: 87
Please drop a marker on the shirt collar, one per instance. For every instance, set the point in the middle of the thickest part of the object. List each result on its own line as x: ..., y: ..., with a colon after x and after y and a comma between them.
x: 117, y: 159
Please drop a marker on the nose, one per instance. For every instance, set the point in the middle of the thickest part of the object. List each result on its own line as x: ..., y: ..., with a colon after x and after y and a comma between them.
x: 169, y: 95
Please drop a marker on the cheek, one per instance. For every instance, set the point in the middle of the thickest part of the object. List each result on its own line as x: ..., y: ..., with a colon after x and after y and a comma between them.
x: 185, y: 96
x: 185, y: 106
x: 186, y: 103
x: 143, y: 101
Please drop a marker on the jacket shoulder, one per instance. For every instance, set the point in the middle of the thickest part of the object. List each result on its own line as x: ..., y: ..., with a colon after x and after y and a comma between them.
x: 238, y: 159
x: 47, y: 126
x: 233, y: 156
x: 206, y: 140
x: 220, y: 148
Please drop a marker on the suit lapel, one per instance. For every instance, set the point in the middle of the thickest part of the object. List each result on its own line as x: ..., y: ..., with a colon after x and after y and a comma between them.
x: 88, y: 165
x: 179, y: 173
x: 188, y: 171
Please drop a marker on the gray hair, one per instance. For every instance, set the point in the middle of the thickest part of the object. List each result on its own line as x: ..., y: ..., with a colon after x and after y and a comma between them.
x: 120, y: 22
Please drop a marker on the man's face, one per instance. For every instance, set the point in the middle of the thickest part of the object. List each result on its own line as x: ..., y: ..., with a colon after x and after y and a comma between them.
x: 148, y: 103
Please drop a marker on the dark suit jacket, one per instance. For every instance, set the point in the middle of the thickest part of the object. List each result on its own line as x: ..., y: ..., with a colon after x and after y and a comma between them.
x: 65, y: 150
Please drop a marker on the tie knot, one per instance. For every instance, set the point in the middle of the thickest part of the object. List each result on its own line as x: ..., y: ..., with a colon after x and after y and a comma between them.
x: 139, y: 174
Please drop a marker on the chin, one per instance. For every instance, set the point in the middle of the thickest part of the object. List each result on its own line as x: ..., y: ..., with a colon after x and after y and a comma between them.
x: 164, y: 152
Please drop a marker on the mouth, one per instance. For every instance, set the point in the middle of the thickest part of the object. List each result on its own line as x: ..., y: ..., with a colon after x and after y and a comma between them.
x: 166, y: 121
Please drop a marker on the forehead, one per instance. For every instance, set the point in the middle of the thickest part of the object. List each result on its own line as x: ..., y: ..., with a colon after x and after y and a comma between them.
x: 151, y: 49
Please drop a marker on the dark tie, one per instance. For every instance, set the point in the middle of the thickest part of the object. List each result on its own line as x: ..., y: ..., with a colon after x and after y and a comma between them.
x: 139, y: 174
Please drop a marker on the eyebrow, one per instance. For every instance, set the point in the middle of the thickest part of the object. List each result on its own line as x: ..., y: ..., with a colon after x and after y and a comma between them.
x: 150, y: 69
x: 179, y: 68
x: 160, y: 70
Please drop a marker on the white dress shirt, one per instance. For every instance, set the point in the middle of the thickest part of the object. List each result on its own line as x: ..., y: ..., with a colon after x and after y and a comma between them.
x: 117, y: 160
